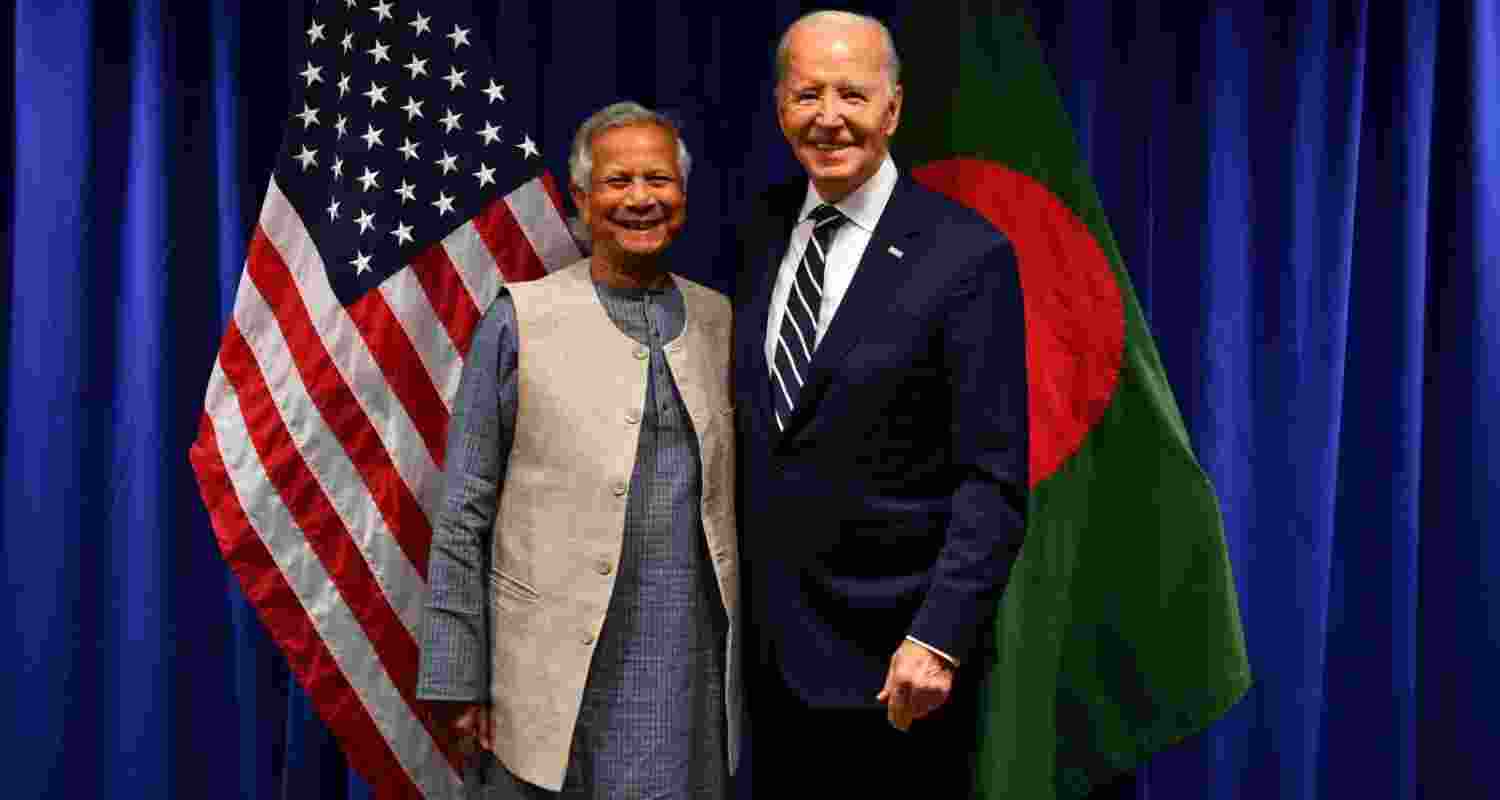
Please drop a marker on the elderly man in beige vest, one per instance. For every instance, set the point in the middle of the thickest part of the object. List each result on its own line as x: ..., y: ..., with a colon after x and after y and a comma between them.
x: 581, y: 619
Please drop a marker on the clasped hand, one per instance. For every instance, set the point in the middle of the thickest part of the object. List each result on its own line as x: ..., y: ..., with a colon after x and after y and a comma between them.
x: 917, y: 684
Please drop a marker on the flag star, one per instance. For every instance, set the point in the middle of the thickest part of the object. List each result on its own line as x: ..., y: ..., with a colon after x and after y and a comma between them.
x: 341, y: 125
x: 402, y: 232
x: 348, y: 41
x: 450, y: 120
x: 382, y: 10
x: 343, y: 85
x: 333, y: 210
x: 447, y: 162
x: 486, y: 175
x: 366, y: 221
x: 409, y: 149
x: 309, y: 158
x: 309, y: 116
x: 407, y: 191
x: 376, y: 94
x: 495, y: 91
x: 338, y: 168
x: 460, y: 36
x: 368, y: 180
x: 413, y: 108
x: 418, y: 66
x: 420, y: 24
x: 444, y: 204
x: 361, y: 263
x: 379, y: 52
x: 490, y: 132
x: 312, y: 74
x: 455, y: 78
x: 315, y: 32
x: 529, y: 148
x: 372, y: 136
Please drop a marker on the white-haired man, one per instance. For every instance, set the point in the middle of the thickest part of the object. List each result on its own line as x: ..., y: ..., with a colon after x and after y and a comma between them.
x: 880, y: 365
x: 581, y: 617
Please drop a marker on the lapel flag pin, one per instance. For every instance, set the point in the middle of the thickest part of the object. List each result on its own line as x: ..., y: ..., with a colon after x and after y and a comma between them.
x: 895, y: 251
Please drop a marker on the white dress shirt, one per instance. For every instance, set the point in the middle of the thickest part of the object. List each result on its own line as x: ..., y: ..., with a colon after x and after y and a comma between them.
x: 863, y: 208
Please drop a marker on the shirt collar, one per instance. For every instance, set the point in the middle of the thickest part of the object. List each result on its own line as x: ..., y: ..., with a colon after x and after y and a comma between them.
x: 864, y: 205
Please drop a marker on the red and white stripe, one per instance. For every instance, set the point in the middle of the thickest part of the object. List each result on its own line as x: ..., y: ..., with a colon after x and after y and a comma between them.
x: 320, y: 456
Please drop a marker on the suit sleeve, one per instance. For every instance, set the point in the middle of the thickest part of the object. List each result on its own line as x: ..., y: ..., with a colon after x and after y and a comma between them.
x: 984, y: 345
x: 455, y: 647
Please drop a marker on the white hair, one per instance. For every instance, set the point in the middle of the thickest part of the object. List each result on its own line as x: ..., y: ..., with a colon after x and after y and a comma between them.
x: 619, y: 115
x: 783, y: 47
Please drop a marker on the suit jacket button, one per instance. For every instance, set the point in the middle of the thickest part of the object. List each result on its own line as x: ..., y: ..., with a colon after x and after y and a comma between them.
x: 619, y: 490
x: 632, y: 417
x: 605, y: 567
x: 588, y: 639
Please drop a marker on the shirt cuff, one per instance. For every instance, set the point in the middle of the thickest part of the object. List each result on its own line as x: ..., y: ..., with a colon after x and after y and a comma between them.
x: 934, y: 650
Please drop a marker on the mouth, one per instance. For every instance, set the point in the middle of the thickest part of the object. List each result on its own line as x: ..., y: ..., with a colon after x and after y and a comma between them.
x: 638, y: 224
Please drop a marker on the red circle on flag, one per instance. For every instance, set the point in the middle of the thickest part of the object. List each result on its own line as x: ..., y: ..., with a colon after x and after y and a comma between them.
x: 1075, y: 320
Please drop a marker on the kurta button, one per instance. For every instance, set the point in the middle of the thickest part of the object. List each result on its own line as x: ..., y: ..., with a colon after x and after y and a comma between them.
x: 619, y: 490
x: 641, y: 353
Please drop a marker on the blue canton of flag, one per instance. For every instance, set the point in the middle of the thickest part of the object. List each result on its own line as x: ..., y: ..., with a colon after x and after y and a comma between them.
x: 401, y: 131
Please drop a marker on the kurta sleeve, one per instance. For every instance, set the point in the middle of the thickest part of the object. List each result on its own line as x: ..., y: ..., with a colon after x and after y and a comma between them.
x: 455, y: 643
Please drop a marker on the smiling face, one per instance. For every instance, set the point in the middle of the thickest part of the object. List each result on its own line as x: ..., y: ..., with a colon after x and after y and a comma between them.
x: 635, y: 203
x: 836, y: 104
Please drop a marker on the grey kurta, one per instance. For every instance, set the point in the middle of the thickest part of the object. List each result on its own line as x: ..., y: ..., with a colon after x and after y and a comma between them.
x: 652, y: 721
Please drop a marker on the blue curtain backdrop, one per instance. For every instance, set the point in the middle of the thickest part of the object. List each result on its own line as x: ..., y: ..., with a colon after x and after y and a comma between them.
x: 1307, y: 196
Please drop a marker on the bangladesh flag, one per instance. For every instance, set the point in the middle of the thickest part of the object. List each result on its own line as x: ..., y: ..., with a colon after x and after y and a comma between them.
x: 1119, y: 633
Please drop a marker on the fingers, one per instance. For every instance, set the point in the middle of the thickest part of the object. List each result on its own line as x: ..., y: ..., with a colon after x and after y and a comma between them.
x: 916, y: 685
x: 486, y: 730
x: 467, y: 722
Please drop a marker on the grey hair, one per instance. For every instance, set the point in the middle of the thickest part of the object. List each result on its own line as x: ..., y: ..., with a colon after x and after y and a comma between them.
x: 619, y: 115
x: 892, y: 60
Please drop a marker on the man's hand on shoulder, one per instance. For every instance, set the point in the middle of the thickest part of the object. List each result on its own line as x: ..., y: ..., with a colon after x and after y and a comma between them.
x: 918, y: 683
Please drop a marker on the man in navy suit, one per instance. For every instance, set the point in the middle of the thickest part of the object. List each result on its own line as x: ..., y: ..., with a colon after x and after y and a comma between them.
x: 880, y: 370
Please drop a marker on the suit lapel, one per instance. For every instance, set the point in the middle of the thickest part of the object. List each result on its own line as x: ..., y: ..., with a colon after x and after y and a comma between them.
x: 867, y: 298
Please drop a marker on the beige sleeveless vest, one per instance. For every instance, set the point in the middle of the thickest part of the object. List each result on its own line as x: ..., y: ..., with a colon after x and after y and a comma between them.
x: 561, y: 522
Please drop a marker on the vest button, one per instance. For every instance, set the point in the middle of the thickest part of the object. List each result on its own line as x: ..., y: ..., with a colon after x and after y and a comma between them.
x: 619, y: 490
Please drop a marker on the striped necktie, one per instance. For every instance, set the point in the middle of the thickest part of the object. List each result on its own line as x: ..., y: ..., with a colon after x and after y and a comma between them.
x: 799, y: 323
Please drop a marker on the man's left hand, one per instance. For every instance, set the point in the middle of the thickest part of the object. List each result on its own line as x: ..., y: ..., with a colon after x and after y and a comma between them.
x: 917, y: 683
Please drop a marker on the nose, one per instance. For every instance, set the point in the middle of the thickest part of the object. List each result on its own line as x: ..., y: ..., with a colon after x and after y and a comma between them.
x: 637, y: 196
x: 829, y: 115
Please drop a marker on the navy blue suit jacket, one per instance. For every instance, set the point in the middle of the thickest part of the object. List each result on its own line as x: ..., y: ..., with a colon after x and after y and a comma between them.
x: 894, y: 501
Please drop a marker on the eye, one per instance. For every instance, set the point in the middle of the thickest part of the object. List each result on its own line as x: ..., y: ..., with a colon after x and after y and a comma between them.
x: 617, y: 182
x: 660, y: 180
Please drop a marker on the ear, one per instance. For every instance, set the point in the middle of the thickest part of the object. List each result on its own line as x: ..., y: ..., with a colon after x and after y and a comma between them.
x: 581, y: 202
x: 893, y: 111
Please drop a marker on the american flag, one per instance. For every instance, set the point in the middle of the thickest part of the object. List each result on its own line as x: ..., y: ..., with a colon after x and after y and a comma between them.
x: 407, y: 191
